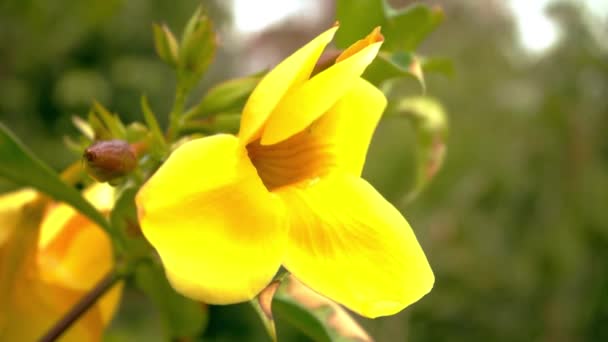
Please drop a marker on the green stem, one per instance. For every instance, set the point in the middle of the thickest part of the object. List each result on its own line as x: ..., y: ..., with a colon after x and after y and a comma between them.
x: 196, y: 111
x: 177, y: 110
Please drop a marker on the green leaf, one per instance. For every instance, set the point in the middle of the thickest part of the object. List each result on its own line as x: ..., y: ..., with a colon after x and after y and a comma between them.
x: 439, y: 65
x: 387, y: 66
x: 429, y: 120
x: 407, y: 28
x: 19, y: 165
x: 183, y: 318
x: 357, y: 19
x: 314, y: 315
x: 403, y: 29
x: 84, y: 127
x: 99, y: 128
x: 220, y: 123
x: 150, y: 119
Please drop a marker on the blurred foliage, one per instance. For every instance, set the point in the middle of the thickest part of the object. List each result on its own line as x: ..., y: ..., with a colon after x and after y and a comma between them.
x: 56, y: 58
x: 515, y: 224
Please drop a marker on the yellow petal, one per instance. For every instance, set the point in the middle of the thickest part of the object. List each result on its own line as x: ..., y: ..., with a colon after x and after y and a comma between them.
x: 79, y: 255
x: 30, y: 306
x: 215, y: 226
x: 339, y: 139
x: 349, y: 244
x: 303, y: 105
x: 108, y: 304
x: 11, y: 205
x: 349, y: 125
x: 100, y: 195
x: 290, y: 73
x: 34, y: 307
x: 374, y: 37
x: 16, y: 252
x: 73, y: 251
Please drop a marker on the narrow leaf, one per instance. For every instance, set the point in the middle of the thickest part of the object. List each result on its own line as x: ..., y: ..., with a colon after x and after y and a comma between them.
x: 19, y: 165
x: 84, y: 127
x: 151, y: 121
x: 111, y: 121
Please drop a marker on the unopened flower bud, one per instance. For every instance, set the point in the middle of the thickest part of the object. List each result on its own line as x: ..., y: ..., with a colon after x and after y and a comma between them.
x: 227, y: 96
x: 198, y: 45
x: 109, y: 159
x: 165, y: 44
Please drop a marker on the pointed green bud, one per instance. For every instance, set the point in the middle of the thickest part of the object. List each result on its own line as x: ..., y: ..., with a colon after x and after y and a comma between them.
x: 165, y: 44
x: 229, y: 96
x: 198, y: 45
x: 192, y: 22
x: 109, y: 159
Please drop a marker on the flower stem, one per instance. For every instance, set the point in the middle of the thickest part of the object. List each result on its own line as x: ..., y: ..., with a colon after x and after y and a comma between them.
x: 82, y: 306
x: 177, y: 111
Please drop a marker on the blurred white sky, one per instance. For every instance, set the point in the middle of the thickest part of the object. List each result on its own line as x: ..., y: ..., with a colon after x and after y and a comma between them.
x: 536, y: 31
x: 255, y: 15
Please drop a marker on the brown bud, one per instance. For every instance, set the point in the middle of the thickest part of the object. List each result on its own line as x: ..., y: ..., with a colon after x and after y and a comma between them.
x: 109, y: 159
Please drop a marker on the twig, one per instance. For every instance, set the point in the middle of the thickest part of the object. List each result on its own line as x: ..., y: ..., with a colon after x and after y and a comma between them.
x: 82, y: 306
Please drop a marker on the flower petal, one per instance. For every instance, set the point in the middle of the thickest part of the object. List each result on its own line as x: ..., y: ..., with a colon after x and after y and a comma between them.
x: 108, y: 304
x: 339, y: 139
x: 291, y: 72
x: 79, y: 255
x: 73, y: 251
x: 349, y: 125
x: 11, y: 205
x: 349, y: 244
x: 373, y: 37
x: 300, y: 107
x: 215, y: 226
x: 100, y: 195
x: 34, y: 307
x: 30, y: 306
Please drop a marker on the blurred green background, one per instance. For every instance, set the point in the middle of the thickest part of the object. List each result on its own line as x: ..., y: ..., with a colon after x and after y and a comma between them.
x: 516, y: 223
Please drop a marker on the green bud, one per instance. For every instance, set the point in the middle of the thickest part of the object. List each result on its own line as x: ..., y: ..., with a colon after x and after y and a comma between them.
x: 110, y: 159
x: 165, y: 44
x: 229, y: 96
x: 198, y: 45
x: 223, y: 122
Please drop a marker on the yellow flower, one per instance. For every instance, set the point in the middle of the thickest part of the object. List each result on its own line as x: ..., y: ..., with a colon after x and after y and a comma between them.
x: 50, y: 256
x: 224, y: 212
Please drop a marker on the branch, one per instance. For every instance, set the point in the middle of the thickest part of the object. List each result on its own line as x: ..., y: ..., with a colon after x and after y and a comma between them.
x: 82, y: 306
